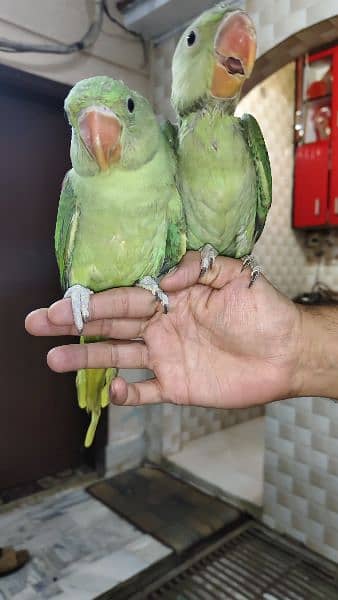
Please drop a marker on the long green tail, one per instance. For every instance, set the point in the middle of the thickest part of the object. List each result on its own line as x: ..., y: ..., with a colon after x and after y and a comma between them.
x: 93, y: 392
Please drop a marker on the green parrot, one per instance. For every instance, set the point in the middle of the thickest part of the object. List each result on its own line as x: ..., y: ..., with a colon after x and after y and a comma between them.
x: 224, y: 173
x: 120, y: 218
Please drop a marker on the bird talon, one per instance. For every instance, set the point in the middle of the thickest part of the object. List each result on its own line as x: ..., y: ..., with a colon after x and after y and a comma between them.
x: 246, y: 261
x: 79, y: 296
x: 256, y: 270
x: 150, y: 284
x: 208, y: 257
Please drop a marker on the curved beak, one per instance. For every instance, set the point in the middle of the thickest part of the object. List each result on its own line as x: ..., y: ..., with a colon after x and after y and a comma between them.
x: 235, y: 54
x: 100, y: 130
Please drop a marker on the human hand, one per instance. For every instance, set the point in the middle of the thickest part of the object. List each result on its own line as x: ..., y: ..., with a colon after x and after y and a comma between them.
x: 222, y: 344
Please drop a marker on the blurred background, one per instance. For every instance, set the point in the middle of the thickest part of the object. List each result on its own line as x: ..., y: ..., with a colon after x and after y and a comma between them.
x: 280, y: 464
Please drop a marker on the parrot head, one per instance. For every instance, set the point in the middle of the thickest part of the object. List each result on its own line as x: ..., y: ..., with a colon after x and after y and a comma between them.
x: 112, y: 126
x: 213, y: 58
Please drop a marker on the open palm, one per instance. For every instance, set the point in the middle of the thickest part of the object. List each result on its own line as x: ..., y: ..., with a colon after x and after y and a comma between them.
x: 222, y: 344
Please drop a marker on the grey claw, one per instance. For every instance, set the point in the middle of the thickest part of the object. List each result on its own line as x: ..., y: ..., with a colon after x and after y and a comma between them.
x: 163, y: 299
x: 255, y: 273
x: 247, y: 261
x: 150, y: 284
x: 79, y: 296
x: 208, y: 257
x: 256, y: 270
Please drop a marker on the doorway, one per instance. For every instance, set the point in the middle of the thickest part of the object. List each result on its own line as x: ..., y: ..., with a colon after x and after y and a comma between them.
x: 41, y: 427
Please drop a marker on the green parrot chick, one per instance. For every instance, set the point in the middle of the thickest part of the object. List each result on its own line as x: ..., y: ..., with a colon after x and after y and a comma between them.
x: 223, y: 166
x: 120, y: 219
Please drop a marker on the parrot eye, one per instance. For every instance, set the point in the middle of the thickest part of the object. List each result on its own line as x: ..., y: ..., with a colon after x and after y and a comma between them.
x: 191, y: 39
x: 131, y: 105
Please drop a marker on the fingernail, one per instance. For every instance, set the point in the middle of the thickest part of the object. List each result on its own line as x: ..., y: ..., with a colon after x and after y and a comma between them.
x: 113, y: 397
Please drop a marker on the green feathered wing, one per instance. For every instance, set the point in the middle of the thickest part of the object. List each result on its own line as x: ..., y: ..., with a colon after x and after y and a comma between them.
x: 65, y: 231
x: 176, y: 238
x: 255, y: 141
x: 92, y: 384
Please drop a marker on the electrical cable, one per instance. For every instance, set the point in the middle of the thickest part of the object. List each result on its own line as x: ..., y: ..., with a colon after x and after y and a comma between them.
x: 85, y: 42
x: 124, y: 28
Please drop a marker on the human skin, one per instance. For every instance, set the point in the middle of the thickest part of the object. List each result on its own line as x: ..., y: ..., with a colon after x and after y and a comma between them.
x: 222, y: 344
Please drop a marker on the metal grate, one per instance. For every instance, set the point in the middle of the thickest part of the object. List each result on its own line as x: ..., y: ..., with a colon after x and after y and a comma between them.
x: 252, y: 563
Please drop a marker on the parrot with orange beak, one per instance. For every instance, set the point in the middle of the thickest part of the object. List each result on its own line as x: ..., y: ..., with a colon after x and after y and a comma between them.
x: 120, y: 219
x: 224, y: 173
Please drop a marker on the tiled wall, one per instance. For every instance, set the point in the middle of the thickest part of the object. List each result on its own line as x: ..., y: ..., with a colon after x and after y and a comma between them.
x: 301, y: 472
x: 277, y: 20
x: 197, y: 421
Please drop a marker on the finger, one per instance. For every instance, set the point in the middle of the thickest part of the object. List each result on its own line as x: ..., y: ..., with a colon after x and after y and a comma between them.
x: 134, y: 394
x: 99, y: 355
x: 38, y: 323
x: 131, y: 303
x: 223, y: 272
x: 188, y: 273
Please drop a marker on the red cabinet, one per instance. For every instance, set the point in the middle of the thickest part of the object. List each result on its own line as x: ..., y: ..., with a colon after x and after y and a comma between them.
x: 311, y: 185
x: 316, y: 156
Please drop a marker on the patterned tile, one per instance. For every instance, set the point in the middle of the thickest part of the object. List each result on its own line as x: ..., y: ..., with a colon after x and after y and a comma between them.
x: 303, y: 489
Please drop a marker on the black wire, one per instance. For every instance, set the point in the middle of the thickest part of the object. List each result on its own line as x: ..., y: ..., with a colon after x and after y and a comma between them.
x: 124, y: 28
x: 118, y: 23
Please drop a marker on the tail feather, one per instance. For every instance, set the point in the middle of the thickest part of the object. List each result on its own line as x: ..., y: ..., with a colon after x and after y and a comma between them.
x: 93, y: 393
x: 92, y: 429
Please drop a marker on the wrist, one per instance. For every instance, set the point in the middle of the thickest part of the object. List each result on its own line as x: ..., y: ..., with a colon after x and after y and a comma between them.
x: 316, y: 372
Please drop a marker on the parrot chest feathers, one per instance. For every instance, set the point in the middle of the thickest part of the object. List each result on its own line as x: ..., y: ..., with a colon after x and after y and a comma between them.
x: 121, y: 236
x: 217, y: 181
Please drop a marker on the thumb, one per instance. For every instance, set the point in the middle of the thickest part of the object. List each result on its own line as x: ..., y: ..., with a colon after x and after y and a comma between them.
x: 188, y: 273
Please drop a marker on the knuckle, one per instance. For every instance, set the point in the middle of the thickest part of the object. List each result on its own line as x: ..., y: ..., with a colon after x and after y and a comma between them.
x: 123, y: 301
x: 114, y: 355
x: 106, y: 329
x: 143, y: 357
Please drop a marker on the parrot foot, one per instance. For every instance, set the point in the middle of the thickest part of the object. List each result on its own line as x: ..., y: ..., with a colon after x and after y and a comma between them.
x: 208, y: 257
x: 256, y: 269
x: 150, y: 284
x: 79, y: 296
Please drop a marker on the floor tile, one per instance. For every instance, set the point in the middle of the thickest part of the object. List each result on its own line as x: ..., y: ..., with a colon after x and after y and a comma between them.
x: 79, y: 548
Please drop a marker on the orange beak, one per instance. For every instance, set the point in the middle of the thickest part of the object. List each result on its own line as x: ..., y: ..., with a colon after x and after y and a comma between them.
x: 235, y: 52
x: 100, y: 130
